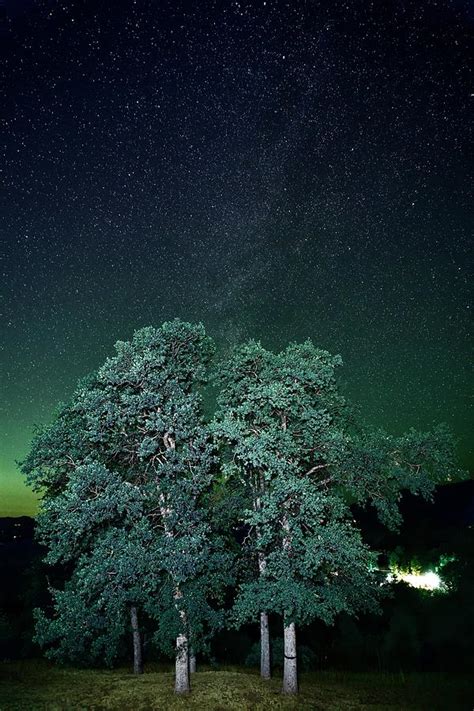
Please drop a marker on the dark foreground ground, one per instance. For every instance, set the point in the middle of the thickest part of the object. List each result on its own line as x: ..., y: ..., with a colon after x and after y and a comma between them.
x: 39, y: 685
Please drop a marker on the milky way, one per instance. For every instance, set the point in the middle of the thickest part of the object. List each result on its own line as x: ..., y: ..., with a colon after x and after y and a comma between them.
x: 277, y: 170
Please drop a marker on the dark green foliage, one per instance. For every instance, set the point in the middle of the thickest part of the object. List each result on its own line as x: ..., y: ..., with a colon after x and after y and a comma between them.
x: 55, y: 451
x: 126, y: 507
x: 94, y: 500
x: 142, y: 509
x: 283, y: 418
x: 92, y: 612
x: 293, y: 447
x: 377, y: 467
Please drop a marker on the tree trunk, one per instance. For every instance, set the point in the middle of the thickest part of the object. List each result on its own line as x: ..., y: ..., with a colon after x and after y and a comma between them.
x: 192, y: 661
x: 265, y: 670
x: 182, y: 684
x: 137, y: 642
x: 290, y: 673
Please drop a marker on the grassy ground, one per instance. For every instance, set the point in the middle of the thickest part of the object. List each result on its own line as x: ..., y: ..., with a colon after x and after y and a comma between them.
x: 39, y: 685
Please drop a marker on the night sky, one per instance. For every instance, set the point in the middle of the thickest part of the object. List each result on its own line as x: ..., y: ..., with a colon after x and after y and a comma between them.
x: 277, y: 170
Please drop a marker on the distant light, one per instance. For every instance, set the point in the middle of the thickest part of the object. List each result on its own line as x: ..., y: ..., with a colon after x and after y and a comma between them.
x: 427, y: 581
x: 424, y: 581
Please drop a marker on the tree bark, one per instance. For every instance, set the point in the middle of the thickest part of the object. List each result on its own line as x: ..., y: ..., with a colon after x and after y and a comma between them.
x: 137, y: 642
x: 290, y: 671
x: 265, y: 669
x: 182, y: 681
x: 182, y: 684
x: 192, y: 661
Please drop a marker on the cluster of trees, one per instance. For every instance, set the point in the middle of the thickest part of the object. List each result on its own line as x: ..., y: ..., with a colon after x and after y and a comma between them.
x: 154, y: 509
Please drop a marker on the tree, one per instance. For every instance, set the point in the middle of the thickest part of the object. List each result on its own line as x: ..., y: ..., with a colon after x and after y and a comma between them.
x: 139, y: 419
x: 294, y: 447
x: 97, y: 525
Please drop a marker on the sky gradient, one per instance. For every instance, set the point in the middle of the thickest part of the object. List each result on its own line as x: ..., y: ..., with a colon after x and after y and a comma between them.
x: 276, y: 170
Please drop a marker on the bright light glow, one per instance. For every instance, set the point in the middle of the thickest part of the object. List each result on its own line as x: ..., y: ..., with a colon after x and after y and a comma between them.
x: 425, y: 581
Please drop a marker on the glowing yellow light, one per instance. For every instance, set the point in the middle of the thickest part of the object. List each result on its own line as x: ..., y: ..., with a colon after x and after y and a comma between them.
x: 425, y: 581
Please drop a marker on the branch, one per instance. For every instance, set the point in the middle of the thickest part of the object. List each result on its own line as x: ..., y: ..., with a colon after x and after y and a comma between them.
x: 323, y: 482
x: 314, y: 469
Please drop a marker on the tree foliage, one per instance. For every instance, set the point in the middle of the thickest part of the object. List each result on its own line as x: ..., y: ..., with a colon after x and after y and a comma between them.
x: 146, y: 502
x: 126, y: 464
x: 301, y: 460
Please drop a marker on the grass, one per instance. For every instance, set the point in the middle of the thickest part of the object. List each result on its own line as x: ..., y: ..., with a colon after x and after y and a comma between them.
x: 32, y: 685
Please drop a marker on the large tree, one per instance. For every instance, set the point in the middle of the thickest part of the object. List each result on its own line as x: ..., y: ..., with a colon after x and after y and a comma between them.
x: 97, y: 527
x: 139, y: 418
x: 84, y: 505
x: 301, y: 460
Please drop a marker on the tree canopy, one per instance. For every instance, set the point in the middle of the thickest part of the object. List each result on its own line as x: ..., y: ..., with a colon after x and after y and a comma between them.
x: 141, y: 458
x: 142, y: 494
x: 301, y: 460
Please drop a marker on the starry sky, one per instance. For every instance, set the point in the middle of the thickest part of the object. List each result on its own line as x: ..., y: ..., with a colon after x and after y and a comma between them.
x: 278, y: 170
